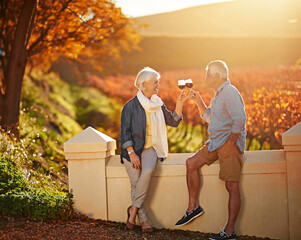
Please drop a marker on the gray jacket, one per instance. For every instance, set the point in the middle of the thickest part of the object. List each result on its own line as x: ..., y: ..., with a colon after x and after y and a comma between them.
x: 133, y: 126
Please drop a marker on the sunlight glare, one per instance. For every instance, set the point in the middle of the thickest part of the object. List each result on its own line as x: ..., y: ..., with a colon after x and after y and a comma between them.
x: 136, y: 8
x: 293, y: 21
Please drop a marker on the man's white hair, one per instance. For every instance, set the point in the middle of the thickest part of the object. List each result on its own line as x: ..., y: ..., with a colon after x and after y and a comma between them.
x: 219, y: 67
x: 145, y: 75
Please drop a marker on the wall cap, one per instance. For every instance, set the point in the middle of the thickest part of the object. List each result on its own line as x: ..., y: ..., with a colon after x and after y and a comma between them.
x: 292, y: 136
x: 89, y: 140
x: 255, y: 162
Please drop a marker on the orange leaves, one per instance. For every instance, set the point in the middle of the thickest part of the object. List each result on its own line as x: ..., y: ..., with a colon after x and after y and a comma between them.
x: 74, y: 28
x: 276, y: 110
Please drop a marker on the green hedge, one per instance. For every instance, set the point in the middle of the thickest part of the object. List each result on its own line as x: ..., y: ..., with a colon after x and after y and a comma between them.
x: 19, y: 199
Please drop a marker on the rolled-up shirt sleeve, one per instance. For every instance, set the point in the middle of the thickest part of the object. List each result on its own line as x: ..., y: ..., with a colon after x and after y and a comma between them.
x: 236, y: 110
x: 177, y: 117
x: 207, y: 114
x: 127, y: 144
x: 126, y: 129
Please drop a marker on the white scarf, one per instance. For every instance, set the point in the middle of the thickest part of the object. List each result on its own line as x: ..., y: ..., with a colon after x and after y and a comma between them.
x: 159, y: 135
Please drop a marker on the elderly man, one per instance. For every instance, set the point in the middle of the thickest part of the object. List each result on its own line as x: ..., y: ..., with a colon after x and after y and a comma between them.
x: 227, y: 118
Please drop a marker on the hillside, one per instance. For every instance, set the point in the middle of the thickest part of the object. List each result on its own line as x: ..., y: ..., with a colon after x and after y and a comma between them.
x: 179, y: 53
x: 52, y: 112
x: 240, y: 18
x: 33, y: 170
x: 241, y: 32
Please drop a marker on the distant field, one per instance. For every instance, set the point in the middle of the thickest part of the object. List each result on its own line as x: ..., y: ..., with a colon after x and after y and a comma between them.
x: 272, y: 97
x: 175, y: 53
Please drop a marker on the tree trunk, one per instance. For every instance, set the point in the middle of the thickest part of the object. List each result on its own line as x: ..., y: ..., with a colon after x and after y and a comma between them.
x: 250, y: 143
x: 272, y: 136
x: 14, y: 72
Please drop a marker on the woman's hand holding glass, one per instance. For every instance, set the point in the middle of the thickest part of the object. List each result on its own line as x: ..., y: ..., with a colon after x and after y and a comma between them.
x: 180, y: 102
x: 182, y: 98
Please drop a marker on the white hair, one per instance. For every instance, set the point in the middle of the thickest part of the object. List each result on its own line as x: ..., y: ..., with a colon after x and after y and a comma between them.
x: 145, y: 75
x: 219, y: 67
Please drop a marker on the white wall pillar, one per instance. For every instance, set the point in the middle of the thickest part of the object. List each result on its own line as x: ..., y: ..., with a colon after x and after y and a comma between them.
x: 291, y: 140
x: 87, y: 154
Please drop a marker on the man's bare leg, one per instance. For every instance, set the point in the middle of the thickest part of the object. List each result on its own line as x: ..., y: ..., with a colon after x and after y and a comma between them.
x: 193, y: 164
x: 233, y: 205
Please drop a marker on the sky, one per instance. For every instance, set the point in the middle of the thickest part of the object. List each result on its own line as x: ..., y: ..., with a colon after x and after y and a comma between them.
x: 137, y: 8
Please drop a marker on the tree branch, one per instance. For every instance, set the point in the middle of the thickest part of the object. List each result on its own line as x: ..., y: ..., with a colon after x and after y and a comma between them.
x: 44, y: 33
x: 31, y: 25
x: 3, y: 8
x: 86, y: 22
x: 57, y: 42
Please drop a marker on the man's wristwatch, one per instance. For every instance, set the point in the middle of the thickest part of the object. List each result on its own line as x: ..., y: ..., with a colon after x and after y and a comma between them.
x: 130, y: 152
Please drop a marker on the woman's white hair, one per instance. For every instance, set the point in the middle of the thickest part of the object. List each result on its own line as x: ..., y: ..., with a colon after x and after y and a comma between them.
x: 219, y: 67
x: 145, y: 75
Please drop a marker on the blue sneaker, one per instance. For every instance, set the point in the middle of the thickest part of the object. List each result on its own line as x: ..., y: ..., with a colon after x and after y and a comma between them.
x: 223, y: 236
x: 189, y: 216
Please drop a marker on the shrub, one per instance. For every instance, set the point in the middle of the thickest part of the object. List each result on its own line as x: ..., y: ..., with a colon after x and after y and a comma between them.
x: 21, y: 196
x: 36, y: 203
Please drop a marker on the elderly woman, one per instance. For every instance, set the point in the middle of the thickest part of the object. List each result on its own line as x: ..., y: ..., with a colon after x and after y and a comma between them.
x: 144, y: 139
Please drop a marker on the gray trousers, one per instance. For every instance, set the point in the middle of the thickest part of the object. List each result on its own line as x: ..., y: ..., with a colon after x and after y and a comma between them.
x: 140, y: 179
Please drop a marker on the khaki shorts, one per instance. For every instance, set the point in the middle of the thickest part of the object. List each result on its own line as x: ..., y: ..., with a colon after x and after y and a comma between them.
x: 230, y: 160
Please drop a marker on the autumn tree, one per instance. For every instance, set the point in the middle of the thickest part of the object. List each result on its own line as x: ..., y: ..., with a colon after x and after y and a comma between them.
x: 41, y: 31
x: 271, y: 112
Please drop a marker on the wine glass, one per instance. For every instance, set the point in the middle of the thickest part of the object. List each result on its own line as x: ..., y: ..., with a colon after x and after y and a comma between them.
x: 189, y: 83
x: 181, y: 84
